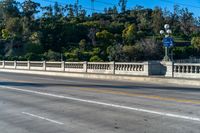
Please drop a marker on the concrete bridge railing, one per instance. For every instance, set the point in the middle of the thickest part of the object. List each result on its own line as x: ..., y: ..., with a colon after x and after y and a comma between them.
x: 186, y: 70
x: 85, y: 67
x: 167, y: 69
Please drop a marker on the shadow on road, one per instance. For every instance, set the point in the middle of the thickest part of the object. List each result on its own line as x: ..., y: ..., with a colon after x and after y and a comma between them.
x: 130, y: 87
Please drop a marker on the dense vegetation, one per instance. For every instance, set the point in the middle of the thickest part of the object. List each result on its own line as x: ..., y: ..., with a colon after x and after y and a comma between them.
x: 29, y: 31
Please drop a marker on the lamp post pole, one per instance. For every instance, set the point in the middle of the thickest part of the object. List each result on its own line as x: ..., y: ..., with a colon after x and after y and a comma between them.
x: 167, y: 42
x: 166, y: 57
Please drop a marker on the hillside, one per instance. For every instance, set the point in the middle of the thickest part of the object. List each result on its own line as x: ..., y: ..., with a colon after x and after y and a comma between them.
x: 66, y: 32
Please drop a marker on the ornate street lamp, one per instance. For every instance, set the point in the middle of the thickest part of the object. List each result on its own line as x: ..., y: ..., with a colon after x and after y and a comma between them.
x: 167, y: 41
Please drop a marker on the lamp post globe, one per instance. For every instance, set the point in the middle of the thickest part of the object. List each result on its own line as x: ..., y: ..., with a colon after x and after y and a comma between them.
x: 166, y: 26
x: 169, y: 31
x: 162, y: 32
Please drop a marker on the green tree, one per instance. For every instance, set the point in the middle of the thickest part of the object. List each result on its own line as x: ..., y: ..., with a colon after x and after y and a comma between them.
x: 92, y: 35
x: 82, y: 14
x: 186, y: 22
x: 58, y: 10
x: 95, y: 59
x: 115, y: 53
x: 157, y: 20
x: 12, y: 33
x: 52, y: 56
x: 70, y: 9
x: 48, y: 12
x: 105, y: 37
x: 34, y: 45
x: 196, y: 42
x: 82, y: 44
x: 129, y: 34
x: 5, y: 34
x: 123, y: 3
x: 9, y: 9
x: 30, y: 8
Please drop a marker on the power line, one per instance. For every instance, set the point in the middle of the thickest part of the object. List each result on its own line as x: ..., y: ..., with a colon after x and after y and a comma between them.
x: 105, y: 3
x: 92, y: 8
x: 182, y: 4
x: 87, y: 8
x: 166, y: 1
x: 108, y: 3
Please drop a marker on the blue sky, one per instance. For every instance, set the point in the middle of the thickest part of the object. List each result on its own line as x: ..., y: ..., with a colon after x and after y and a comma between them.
x: 192, y: 5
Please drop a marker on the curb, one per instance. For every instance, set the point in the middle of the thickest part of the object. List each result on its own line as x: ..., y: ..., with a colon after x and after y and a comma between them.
x: 153, y: 80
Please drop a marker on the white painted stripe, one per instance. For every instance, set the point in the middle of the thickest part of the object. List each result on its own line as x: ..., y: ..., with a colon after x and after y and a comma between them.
x: 108, y: 104
x: 43, y: 118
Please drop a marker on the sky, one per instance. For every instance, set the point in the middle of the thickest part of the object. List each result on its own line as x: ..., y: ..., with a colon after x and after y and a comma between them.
x: 192, y: 5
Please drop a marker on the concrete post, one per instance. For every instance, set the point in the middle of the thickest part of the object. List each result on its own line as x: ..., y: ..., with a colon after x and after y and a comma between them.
x: 146, y: 68
x: 169, y: 69
x: 3, y: 64
x: 15, y: 64
x: 85, y: 66
x: 28, y: 65
x: 63, y: 66
x: 44, y: 65
x: 112, y: 67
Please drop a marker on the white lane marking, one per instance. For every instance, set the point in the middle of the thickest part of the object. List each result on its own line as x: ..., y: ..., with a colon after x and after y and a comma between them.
x: 43, y: 118
x: 107, y: 104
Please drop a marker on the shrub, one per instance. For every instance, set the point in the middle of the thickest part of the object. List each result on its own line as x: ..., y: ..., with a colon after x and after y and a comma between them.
x: 95, y: 59
x: 52, y: 56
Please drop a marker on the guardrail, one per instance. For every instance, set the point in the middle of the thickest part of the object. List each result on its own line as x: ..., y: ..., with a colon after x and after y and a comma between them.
x: 85, y: 67
x: 186, y: 70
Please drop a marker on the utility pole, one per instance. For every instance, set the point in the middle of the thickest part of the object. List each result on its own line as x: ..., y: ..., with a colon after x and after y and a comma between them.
x: 77, y: 7
x: 77, y: 2
x: 92, y: 5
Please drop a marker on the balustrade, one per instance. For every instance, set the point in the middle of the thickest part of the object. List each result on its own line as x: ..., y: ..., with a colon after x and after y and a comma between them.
x: 186, y: 68
x: 89, y: 67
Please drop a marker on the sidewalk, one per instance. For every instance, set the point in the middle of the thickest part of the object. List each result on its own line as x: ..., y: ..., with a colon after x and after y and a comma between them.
x: 151, y: 79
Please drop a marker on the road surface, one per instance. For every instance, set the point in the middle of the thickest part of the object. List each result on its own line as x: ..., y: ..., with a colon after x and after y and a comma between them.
x: 44, y: 104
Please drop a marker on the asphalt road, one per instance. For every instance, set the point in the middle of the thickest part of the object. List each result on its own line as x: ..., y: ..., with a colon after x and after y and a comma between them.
x: 42, y: 104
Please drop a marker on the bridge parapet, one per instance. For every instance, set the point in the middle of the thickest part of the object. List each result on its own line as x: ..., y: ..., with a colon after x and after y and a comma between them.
x: 167, y: 69
x: 187, y: 70
x: 120, y: 68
